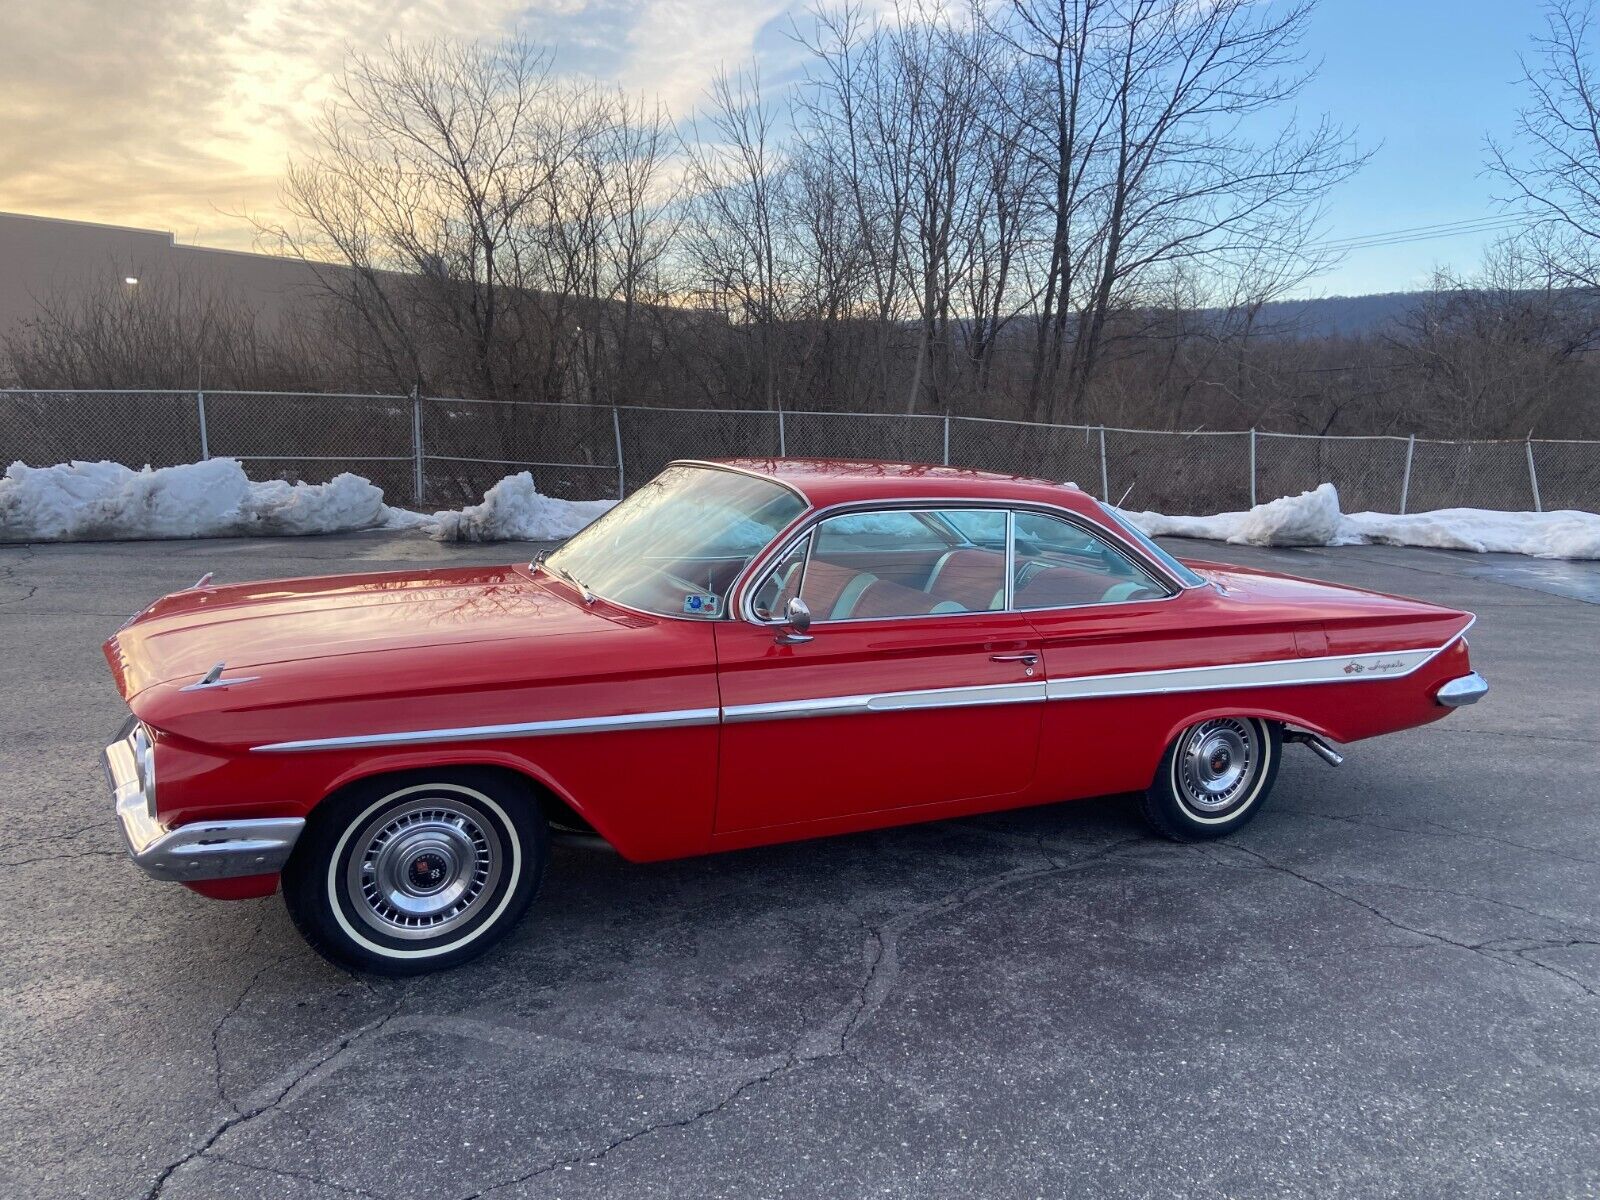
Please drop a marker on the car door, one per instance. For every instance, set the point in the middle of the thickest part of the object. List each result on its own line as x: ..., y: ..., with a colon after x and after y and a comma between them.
x: 915, y: 687
x: 1099, y: 609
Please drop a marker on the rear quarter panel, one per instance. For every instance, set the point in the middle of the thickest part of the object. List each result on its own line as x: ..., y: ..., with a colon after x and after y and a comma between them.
x: 1099, y: 745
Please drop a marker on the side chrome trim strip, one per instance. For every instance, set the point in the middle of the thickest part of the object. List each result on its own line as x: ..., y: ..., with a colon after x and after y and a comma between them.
x: 1287, y: 672
x: 478, y: 733
x: 838, y: 706
x: 1344, y: 668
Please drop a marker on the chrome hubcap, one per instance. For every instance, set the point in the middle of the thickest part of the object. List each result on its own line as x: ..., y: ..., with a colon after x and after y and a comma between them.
x: 423, y: 867
x: 1217, y: 764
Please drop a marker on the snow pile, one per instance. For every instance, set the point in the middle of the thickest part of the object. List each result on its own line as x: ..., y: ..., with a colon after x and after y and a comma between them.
x: 1309, y: 519
x: 106, y: 501
x: 514, y: 510
x: 1563, y: 534
x: 1313, y: 519
x: 80, y: 500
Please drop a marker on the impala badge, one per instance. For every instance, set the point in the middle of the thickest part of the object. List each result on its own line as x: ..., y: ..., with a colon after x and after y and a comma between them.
x: 1355, y: 668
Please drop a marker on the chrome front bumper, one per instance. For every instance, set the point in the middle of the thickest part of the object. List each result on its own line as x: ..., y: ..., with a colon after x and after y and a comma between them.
x: 1467, y: 689
x: 202, y: 850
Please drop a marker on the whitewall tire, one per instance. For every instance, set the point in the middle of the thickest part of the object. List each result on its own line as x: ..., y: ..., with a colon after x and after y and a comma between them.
x: 1214, y: 778
x: 416, y: 872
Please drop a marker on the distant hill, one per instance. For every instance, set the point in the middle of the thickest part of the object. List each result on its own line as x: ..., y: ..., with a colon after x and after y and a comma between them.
x: 1344, y: 316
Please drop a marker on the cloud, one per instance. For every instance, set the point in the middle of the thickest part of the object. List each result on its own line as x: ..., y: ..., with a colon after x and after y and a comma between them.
x: 180, y: 114
x: 677, y: 46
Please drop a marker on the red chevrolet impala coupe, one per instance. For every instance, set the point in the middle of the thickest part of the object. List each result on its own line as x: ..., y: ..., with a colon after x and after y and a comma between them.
x: 740, y: 653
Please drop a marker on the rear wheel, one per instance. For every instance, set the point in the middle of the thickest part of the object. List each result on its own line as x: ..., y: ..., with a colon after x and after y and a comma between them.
x: 1214, y: 778
x: 417, y: 872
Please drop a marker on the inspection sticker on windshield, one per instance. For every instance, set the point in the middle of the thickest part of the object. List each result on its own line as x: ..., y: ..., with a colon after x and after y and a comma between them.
x: 700, y: 604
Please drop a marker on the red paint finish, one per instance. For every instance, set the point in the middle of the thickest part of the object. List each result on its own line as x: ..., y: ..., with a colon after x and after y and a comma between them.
x: 471, y: 647
x: 244, y: 887
x: 786, y: 772
x: 447, y: 649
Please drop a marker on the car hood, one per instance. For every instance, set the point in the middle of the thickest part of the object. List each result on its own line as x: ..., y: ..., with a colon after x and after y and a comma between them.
x: 255, y: 627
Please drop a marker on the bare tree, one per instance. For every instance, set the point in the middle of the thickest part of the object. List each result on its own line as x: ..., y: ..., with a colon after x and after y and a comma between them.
x: 735, y: 258
x: 168, y: 331
x: 1553, y: 166
x: 433, y: 184
x: 1497, y: 354
x: 1143, y: 114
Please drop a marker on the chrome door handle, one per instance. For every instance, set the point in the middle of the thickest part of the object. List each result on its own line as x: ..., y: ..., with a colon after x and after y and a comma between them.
x: 1027, y: 657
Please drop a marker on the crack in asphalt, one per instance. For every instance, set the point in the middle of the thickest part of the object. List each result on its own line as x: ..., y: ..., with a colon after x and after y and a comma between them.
x: 244, y: 992
x: 1440, y: 829
x: 832, y: 1039
x: 8, y: 574
x: 46, y: 858
x: 1473, y: 896
x: 67, y: 835
x: 880, y: 975
x: 1511, y: 733
x: 241, y: 1117
x: 879, y: 978
x: 302, y: 1176
x: 1479, y: 948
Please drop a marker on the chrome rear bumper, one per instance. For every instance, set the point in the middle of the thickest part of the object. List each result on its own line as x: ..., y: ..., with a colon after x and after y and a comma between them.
x: 1467, y: 689
x: 201, y: 850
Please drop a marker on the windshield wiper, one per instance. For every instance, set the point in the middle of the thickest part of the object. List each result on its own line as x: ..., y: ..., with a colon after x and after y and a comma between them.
x: 561, y: 573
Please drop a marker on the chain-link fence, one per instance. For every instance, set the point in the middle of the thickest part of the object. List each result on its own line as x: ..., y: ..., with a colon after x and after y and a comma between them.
x: 431, y: 451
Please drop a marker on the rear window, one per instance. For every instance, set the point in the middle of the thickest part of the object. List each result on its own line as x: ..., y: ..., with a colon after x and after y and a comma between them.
x: 1179, y: 572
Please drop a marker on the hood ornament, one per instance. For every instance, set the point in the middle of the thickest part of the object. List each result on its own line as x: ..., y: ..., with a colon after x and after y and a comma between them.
x: 213, y: 679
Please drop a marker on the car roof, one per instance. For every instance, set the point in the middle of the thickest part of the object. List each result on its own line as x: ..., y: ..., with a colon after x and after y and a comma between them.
x: 829, y: 481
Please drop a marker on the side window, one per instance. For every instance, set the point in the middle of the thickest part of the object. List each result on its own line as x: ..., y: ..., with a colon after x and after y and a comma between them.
x: 877, y: 530
x: 1061, y: 565
x: 900, y: 564
x: 980, y: 526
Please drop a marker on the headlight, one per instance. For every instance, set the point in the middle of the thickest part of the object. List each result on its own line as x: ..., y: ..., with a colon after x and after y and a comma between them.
x: 144, y: 755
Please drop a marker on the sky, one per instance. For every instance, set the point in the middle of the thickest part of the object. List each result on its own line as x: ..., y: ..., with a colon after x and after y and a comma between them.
x: 180, y: 114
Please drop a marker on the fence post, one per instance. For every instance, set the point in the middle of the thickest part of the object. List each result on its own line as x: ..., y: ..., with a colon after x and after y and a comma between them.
x: 783, y: 443
x: 1105, y: 479
x: 1533, y: 478
x: 1252, y: 466
x: 1405, y: 480
x: 616, y: 433
x: 416, y: 446
x: 947, y: 438
x: 200, y: 404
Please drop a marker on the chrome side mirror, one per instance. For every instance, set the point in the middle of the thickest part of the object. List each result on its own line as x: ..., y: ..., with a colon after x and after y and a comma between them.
x: 797, y: 619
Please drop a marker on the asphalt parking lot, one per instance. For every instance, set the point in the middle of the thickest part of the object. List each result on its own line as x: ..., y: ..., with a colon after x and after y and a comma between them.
x: 1388, y: 985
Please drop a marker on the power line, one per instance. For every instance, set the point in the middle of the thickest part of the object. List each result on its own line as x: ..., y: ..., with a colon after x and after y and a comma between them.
x: 1421, y: 233
x: 1438, y: 225
x: 1428, y: 237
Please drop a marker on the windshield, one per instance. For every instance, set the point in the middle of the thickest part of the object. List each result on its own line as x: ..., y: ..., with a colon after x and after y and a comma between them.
x: 676, y: 545
x: 1180, y: 572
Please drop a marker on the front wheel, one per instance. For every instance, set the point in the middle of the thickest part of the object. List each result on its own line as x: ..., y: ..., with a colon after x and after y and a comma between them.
x: 1214, y: 778
x: 418, y: 872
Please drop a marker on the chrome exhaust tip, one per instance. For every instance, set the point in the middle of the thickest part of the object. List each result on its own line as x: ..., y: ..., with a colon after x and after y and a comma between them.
x: 1316, y: 745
